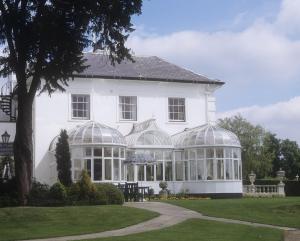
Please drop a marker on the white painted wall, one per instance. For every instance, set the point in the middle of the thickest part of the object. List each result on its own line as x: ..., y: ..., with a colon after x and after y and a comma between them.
x: 54, y: 113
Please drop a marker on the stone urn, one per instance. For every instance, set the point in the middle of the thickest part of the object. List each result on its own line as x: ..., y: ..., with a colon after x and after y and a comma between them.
x: 252, y: 177
x: 280, y: 175
x: 163, y: 194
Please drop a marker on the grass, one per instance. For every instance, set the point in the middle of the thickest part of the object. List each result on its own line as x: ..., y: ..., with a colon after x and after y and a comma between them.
x: 36, y: 222
x: 276, y: 211
x: 200, y: 230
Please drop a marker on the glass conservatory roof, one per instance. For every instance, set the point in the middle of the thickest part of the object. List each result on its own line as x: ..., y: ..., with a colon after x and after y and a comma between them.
x: 205, y: 136
x: 147, y: 135
x: 92, y: 133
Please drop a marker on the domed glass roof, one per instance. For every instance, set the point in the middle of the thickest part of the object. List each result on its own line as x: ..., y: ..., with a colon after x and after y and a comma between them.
x: 148, y: 135
x: 93, y: 133
x: 206, y: 136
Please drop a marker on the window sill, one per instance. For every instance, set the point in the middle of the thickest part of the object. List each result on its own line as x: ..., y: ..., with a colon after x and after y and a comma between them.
x: 78, y: 120
x: 177, y: 122
x: 127, y: 121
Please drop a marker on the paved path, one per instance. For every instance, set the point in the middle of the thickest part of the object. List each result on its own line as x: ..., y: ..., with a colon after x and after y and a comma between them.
x: 170, y: 215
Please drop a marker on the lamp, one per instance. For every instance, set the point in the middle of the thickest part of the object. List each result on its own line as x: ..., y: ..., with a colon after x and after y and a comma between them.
x: 5, y: 137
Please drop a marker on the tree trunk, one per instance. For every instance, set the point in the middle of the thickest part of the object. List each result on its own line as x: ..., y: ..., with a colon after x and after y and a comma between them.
x: 23, y: 147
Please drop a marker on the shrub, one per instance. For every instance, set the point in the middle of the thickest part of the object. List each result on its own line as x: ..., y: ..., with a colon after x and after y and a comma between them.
x: 58, y: 192
x: 85, y: 186
x: 39, y: 194
x: 63, y: 159
x: 112, y: 193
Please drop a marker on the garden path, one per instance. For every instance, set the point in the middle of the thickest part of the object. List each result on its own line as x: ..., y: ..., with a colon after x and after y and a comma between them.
x: 169, y: 215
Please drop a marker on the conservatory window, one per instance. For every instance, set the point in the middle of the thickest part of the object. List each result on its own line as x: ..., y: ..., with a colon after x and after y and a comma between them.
x: 116, y: 169
x: 87, y: 166
x: 228, y: 169
x: 236, y: 169
x: 200, y: 164
x: 179, y: 170
x: 168, y: 171
x: 179, y: 167
x: 159, y: 171
x: 130, y: 172
x: 122, y: 170
x: 210, y: 169
x: 186, y: 170
x: 176, y: 108
x: 141, y: 172
x: 108, y: 169
x: 80, y: 107
x: 77, y: 169
x: 128, y: 107
x: 220, y: 169
x: 193, y: 167
x: 150, y: 172
x: 97, y: 169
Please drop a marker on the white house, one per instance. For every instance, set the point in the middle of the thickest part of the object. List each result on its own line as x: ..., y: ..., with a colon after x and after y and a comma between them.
x: 143, y: 121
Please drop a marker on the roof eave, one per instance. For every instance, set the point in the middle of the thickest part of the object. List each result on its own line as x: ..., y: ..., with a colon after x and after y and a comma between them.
x: 149, y: 79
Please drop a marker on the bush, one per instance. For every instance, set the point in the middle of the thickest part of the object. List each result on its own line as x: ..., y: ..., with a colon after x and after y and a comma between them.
x: 58, y: 192
x: 112, y: 193
x: 39, y: 194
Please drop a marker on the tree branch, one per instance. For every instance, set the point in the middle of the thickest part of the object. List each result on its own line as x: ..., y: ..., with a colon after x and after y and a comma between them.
x: 8, y: 33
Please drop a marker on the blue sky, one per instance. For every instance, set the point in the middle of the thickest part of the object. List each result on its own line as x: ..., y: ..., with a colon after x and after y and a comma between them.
x: 252, y: 45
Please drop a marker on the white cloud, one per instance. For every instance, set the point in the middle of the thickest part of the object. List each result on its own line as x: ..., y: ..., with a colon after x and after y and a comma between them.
x: 261, y: 53
x: 288, y: 20
x: 282, y: 118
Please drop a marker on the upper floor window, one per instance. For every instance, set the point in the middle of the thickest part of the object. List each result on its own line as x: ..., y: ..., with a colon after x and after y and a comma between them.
x: 80, y: 107
x: 176, y: 109
x: 128, y: 108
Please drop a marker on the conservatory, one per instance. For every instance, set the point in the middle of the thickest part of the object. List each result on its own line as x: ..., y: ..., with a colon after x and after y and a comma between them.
x: 202, y: 160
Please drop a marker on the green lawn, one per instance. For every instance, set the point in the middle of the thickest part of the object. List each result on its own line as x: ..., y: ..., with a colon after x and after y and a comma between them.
x: 34, y: 222
x: 277, y: 211
x: 200, y: 230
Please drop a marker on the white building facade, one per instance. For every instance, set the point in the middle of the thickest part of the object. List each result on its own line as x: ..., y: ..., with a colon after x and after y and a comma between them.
x: 147, y: 122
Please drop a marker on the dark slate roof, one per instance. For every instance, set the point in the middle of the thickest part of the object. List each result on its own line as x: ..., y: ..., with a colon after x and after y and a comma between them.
x: 144, y: 68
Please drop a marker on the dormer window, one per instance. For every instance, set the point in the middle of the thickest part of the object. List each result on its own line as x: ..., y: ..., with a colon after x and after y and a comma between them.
x: 80, y: 107
x: 128, y: 108
x: 176, y: 108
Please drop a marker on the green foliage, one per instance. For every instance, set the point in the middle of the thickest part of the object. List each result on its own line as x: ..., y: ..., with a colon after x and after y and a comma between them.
x: 262, y: 151
x: 255, y: 156
x: 43, y: 44
x: 163, y: 185
x: 58, y: 192
x: 112, y: 193
x: 290, y: 158
x: 83, y: 192
x: 63, y: 159
x: 39, y: 194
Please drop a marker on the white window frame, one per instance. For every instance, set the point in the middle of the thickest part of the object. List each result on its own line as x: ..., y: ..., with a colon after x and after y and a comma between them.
x: 168, y: 105
x: 120, y: 110
x: 88, y: 117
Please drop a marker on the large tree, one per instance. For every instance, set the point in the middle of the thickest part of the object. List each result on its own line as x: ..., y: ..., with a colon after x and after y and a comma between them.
x: 43, y: 42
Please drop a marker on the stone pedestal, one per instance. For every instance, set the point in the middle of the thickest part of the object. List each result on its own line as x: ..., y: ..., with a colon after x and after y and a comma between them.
x: 281, y: 189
